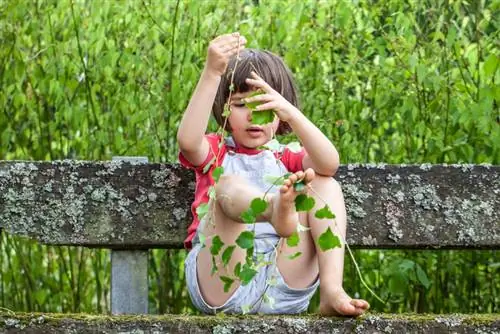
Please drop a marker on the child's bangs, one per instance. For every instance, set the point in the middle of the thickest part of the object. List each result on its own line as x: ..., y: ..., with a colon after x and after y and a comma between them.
x: 258, y: 62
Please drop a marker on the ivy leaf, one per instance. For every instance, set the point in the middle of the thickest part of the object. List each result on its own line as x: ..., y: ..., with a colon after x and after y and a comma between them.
x: 217, y: 173
x: 237, y: 269
x: 202, y: 210
x: 299, y: 186
x: 226, y: 112
x: 304, y: 203
x: 208, y: 165
x: 246, y: 274
x: 228, y: 281
x: 226, y: 255
x: 327, y: 240
x: 293, y: 240
x: 294, y: 147
x: 217, y: 245
x: 248, y: 217
x: 259, y: 116
x: 294, y: 256
x: 262, y: 117
x: 324, y: 213
x: 245, y: 240
x: 214, y: 266
x: 258, y: 206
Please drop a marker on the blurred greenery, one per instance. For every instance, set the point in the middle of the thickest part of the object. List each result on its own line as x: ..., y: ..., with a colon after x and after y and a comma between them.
x: 388, y: 81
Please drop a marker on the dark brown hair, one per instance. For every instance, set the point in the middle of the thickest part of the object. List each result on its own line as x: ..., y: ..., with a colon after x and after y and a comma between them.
x: 269, y: 67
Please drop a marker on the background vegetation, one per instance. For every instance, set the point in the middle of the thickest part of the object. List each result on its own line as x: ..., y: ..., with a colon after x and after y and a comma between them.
x: 388, y: 81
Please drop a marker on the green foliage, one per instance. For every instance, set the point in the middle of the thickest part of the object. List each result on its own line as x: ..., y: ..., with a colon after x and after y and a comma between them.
x: 387, y: 81
x: 245, y: 239
x: 327, y: 240
x: 293, y: 240
x: 304, y: 203
x: 324, y: 213
x: 217, y: 245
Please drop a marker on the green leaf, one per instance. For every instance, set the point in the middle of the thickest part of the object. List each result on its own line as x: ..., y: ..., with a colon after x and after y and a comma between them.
x: 248, y: 217
x: 228, y: 281
x: 202, y: 210
x: 422, y: 277
x: 253, y: 105
x: 293, y: 240
x: 217, y: 245
x: 217, y: 173
x: 208, y: 165
x: 304, y: 203
x: 294, y: 256
x: 245, y: 240
x: 327, y: 240
x: 227, y: 254
x: 226, y: 112
x: 258, y: 206
x: 324, y: 213
x: 237, y: 269
x: 214, y: 266
x: 262, y: 117
x: 299, y: 186
x: 246, y: 274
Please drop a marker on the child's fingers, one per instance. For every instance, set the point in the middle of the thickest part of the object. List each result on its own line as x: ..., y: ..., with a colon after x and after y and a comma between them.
x: 267, y: 106
x: 257, y: 98
x: 233, y: 48
x: 259, y: 84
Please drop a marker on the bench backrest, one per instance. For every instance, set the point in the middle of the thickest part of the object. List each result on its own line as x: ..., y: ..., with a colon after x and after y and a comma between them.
x: 123, y: 205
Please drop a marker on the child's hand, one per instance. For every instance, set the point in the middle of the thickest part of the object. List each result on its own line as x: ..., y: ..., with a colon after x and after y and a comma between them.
x: 271, y: 99
x: 221, y: 49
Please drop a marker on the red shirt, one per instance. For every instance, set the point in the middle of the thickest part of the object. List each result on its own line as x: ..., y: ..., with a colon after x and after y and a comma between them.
x: 291, y: 160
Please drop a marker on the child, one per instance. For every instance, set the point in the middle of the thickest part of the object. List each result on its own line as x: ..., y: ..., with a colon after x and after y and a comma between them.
x: 281, y: 284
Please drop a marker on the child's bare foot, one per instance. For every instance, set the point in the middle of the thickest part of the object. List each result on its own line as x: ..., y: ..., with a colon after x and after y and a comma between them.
x: 284, y: 216
x: 338, y: 303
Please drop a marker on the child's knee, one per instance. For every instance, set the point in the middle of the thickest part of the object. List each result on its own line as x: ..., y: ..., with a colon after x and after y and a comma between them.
x: 326, y: 183
x: 226, y: 181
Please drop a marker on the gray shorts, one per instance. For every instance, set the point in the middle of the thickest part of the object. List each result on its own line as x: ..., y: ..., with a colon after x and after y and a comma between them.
x: 267, y: 292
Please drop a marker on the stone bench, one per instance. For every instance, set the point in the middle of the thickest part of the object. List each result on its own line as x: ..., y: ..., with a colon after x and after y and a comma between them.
x: 129, y: 206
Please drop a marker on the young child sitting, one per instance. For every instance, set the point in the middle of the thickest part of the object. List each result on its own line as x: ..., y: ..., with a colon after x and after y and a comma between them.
x: 282, y: 282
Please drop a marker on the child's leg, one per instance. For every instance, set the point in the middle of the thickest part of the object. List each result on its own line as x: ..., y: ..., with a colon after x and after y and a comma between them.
x: 234, y: 196
x: 329, y: 264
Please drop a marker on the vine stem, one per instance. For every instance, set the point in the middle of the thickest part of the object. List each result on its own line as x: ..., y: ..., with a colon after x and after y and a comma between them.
x: 349, y: 250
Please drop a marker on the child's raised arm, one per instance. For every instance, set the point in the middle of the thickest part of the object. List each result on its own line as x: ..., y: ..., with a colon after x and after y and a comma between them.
x: 190, y: 134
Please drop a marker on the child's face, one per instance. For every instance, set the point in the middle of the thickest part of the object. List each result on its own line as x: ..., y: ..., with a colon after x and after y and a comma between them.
x: 243, y: 131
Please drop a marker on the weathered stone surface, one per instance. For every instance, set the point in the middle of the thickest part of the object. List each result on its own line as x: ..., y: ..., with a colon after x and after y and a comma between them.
x: 125, y: 205
x: 382, y: 323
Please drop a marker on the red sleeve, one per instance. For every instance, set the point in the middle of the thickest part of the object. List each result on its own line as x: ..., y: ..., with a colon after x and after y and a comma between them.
x: 293, y: 161
x: 213, y: 140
